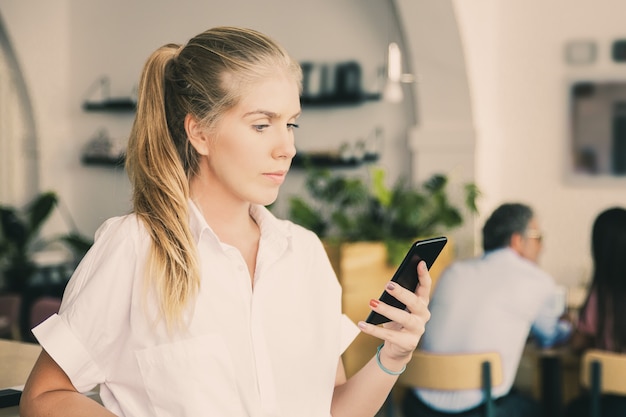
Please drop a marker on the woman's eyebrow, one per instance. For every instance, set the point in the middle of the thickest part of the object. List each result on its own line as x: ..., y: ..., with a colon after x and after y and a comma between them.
x: 267, y: 113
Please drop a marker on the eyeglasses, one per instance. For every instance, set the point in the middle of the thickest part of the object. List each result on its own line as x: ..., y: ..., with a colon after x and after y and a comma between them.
x: 534, y: 234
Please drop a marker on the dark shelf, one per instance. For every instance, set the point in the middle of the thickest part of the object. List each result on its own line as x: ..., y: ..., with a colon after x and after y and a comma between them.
x: 112, y: 105
x: 327, y: 161
x: 109, y: 161
x: 337, y: 101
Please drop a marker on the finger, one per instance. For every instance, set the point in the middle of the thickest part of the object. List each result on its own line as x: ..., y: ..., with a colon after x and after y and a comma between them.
x: 425, y: 282
x: 406, y: 341
x: 414, y: 306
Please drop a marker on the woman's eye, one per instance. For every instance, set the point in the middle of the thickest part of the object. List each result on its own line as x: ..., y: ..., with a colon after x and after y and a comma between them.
x: 292, y: 126
x: 260, y: 128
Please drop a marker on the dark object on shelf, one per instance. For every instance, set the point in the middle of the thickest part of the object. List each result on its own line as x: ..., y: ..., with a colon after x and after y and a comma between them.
x: 338, y: 84
x: 619, y: 50
x: 101, y: 150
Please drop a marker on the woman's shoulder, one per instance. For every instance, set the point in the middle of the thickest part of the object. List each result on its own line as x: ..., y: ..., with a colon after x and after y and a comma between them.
x: 118, y: 237
x: 128, y: 225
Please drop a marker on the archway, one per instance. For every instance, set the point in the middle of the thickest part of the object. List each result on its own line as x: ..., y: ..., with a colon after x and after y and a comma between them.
x: 19, y: 156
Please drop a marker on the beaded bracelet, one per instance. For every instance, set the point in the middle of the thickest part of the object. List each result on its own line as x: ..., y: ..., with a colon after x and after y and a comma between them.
x: 381, y: 366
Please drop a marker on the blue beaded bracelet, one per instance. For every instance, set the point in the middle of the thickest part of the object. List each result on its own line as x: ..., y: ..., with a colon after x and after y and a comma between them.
x: 381, y: 366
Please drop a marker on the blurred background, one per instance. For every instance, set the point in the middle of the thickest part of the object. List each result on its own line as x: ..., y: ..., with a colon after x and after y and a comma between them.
x: 499, y: 93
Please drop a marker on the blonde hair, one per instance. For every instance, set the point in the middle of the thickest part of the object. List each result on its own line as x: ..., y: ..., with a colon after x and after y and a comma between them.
x: 205, y: 78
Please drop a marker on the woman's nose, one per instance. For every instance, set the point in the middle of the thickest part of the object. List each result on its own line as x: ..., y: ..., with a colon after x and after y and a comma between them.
x: 286, y: 147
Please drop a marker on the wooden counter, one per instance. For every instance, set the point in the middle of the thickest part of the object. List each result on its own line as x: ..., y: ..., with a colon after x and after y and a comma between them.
x: 16, y: 361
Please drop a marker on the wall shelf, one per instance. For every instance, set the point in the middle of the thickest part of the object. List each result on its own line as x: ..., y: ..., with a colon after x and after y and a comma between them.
x: 333, y: 101
x: 111, y: 105
x: 103, y: 161
x: 129, y: 105
x: 304, y: 160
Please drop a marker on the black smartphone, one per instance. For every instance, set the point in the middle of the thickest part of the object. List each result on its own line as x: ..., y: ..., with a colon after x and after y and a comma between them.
x: 406, y: 274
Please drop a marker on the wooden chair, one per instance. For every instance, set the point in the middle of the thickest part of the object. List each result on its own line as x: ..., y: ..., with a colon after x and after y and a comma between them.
x: 453, y: 372
x: 602, y: 372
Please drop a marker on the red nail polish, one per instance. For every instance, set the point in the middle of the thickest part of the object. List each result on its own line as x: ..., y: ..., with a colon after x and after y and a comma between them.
x: 374, y: 303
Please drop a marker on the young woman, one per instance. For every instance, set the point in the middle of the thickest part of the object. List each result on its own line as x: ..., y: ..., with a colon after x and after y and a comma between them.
x: 201, y: 302
x: 602, y: 321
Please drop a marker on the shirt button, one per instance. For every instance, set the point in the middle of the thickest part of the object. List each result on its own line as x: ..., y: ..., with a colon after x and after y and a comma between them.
x: 240, y: 267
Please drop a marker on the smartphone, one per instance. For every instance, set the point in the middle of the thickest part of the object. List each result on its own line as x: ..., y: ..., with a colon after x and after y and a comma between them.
x: 406, y: 274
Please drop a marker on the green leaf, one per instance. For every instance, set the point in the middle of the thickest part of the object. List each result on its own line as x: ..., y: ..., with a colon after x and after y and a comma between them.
x: 303, y: 214
x: 39, y: 210
x: 379, y: 188
x: 472, y: 193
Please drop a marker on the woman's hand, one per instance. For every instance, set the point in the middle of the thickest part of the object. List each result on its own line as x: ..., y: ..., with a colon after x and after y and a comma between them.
x: 403, y: 332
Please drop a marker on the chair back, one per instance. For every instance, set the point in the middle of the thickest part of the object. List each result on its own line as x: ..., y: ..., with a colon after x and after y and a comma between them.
x: 602, y: 373
x: 610, y: 369
x: 453, y: 372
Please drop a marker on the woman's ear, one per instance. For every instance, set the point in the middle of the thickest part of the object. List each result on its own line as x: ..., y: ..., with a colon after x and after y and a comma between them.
x: 197, y: 135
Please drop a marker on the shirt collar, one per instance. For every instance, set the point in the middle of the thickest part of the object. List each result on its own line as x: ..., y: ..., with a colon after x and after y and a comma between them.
x: 272, y: 229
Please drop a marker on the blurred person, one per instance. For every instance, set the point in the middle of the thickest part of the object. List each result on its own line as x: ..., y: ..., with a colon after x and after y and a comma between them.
x: 492, y: 303
x: 602, y: 319
x: 201, y: 302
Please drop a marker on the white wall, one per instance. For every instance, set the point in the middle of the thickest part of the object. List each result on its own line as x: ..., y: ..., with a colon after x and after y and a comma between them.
x: 65, y: 46
x: 518, y: 78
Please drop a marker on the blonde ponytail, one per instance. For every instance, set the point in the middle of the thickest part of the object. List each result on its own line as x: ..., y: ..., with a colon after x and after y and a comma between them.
x: 160, y: 194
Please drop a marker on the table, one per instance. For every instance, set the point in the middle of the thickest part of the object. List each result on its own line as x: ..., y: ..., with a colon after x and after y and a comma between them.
x: 16, y: 361
x: 551, y: 376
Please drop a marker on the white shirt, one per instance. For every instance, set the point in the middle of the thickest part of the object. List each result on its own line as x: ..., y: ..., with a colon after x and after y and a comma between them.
x: 489, y: 304
x: 273, y: 351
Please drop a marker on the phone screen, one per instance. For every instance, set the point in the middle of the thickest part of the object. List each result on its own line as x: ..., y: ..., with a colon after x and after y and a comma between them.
x: 406, y: 274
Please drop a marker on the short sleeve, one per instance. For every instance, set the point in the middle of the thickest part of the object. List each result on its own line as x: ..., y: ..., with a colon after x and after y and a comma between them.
x: 94, y: 319
x: 68, y: 352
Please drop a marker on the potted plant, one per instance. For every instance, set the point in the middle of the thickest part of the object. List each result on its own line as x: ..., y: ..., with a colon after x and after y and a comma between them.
x: 343, y: 209
x: 367, y: 227
x: 20, y: 240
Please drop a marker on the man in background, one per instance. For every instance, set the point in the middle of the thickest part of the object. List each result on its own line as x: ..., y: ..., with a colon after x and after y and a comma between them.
x: 492, y: 303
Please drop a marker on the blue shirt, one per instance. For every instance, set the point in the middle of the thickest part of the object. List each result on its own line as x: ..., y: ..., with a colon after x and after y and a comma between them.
x: 485, y: 304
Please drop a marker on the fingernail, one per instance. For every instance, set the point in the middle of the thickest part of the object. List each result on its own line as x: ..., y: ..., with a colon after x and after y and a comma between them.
x: 374, y: 303
x: 362, y: 325
x: 391, y: 285
x: 422, y: 266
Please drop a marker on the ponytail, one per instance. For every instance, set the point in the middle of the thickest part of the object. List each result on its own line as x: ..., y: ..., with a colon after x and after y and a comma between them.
x: 161, y: 193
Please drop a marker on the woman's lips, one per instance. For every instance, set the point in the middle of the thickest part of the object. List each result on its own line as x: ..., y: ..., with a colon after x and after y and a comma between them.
x: 278, y: 177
